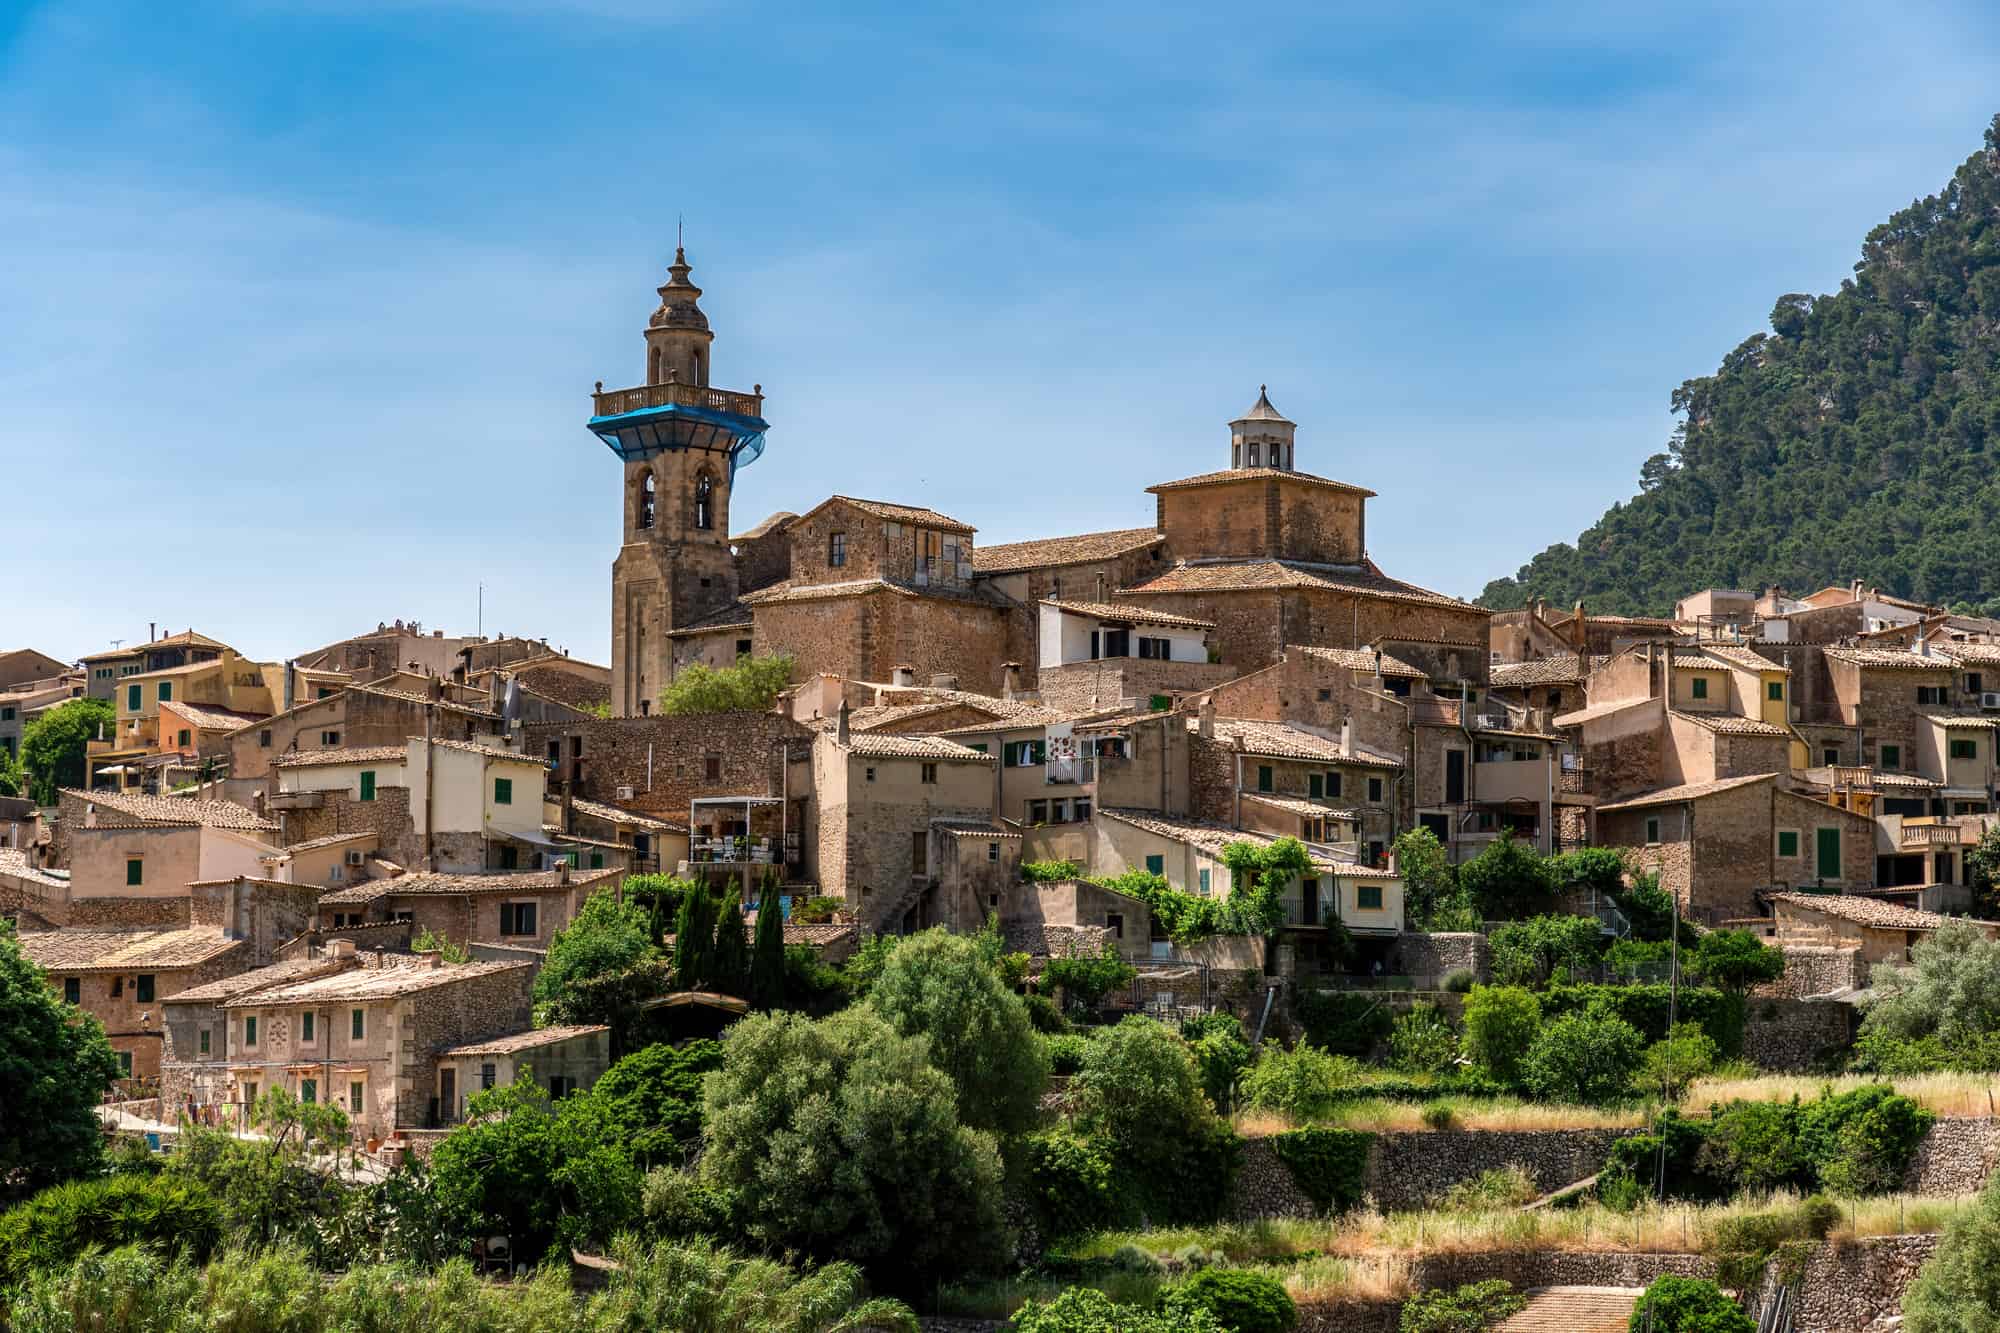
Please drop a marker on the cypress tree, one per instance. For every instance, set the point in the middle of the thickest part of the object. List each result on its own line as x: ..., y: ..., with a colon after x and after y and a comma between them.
x: 767, y: 960
x: 729, y: 964
x: 694, y: 939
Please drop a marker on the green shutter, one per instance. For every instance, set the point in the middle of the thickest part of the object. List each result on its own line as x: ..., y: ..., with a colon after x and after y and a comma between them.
x: 357, y: 1025
x: 367, y: 784
x: 1788, y: 842
x: 597, y: 860
x: 1156, y: 865
x: 1829, y: 853
x: 135, y: 872
x: 166, y: 691
x: 1699, y: 687
x: 135, y: 698
x: 1263, y: 777
x: 1315, y: 786
x: 1774, y: 690
x: 503, y: 791
x: 1010, y: 753
x: 1368, y: 896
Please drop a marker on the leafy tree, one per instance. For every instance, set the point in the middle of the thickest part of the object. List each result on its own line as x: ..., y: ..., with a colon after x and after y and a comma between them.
x: 55, y: 1065
x: 1982, y: 865
x: 1853, y: 440
x: 1429, y: 883
x: 1861, y: 1140
x: 865, y: 964
x: 840, y: 1139
x: 940, y: 987
x: 695, y: 1287
x: 1958, y: 1290
x: 56, y: 1225
x: 1139, y: 1087
x: 654, y: 1097
x: 1423, y: 1041
x: 546, y: 1174
x: 1950, y: 989
x: 748, y: 687
x: 1586, y: 1058
x: 1244, y: 1301
x: 1678, y: 1059
x: 1688, y: 1305
x: 1508, y: 880
x: 767, y: 957
x: 1072, y: 1183
x: 1222, y: 1055
x: 1304, y: 1083
x: 1544, y: 949
x: 1500, y: 1026
x: 268, y: 1186
x: 53, y: 746
x: 10, y: 773
x: 1594, y: 869
x: 1735, y: 960
x: 607, y: 936
x: 1085, y: 979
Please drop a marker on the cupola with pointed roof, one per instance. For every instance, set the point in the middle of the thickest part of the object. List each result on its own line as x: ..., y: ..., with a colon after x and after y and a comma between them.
x: 1262, y: 437
x: 677, y: 336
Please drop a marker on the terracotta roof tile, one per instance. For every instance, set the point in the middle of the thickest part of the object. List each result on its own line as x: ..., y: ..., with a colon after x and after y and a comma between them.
x: 734, y: 616
x: 770, y: 525
x: 1261, y: 575
x: 1974, y: 654
x: 1298, y: 805
x: 1962, y: 721
x: 1863, y: 911
x: 1729, y: 724
x: 427, y: 882
x: 360, y: 754
x: 80, y: 949
x: 1136, y: 614
x: 1257, y: 474
x: 370, y: 983
x: 330, y: 840
x: 1560, y: 669
x: 966, y: 828
x: 206, y: 718
x: 490, y: 752
x: 1889, y: 659
x: 526, y: 1041
x: 884, y: 745
x: 1012, y: 557
x: 1211, y: 837
x: 185, y: 639
x: 915, y: 515
x: 617, y: 815
x: 1281, y: 740
x: 136, y: 810
x: 277, y: 974
x: 1692, y: 791
x: 1359, y: 659
x: 14, y: 862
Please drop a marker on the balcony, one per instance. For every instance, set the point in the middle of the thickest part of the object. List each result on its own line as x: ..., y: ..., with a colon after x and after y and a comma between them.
x: 643, y: 422
x: 617, y: 402
x: 1931, y: 835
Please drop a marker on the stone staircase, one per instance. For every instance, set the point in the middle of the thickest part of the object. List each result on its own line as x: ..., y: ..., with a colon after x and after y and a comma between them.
x: 888, y: 918
x: 1575, y: 1310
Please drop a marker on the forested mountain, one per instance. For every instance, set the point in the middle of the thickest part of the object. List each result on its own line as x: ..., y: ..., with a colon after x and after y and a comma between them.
x: 1858, y: 439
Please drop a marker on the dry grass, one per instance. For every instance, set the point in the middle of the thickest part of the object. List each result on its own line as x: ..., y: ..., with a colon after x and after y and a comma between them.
x: 1324, y: 1279
x: 1494, y: 1113
x: 1946, y: 1094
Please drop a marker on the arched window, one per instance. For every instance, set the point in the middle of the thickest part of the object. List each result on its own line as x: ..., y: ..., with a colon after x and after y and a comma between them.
x: 1253, y: 456
x: 1236, y: 455
x: 653, y: 374
x: 1277, y: 455
x: 704, y: 505
x: 697, y: 369
x: 646, y: 498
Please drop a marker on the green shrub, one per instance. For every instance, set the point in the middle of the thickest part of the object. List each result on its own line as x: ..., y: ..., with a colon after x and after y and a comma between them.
x: 1648, y: 1007
x: 1085, y: 979
x: 1627, y: 957
x: 1037, y: 872
x: 1472, y: 1308
x: 1141, y: 1089
x: 55, y: 1226
x: 1072, y: 1183
x: 654, y: 1097
x: 1688, y: 1305
x: 1459, y: 982
x: 1343, y: 1022
x: 1330, y: 1165
x: 1583, y: 1058
x: 1544, y: 948
x: 677, y: 1206
x: 1734, y: 960
x: 1222, y: 1057
x: 1244, y: 1301
x: 1755, y: 1146
x: 1217, y: 1021
x: 817, y: 910
x: 1303, y: 1083
x: 1500, y: 1026
x: 1087, y: 1310
x: 1497, y: 1187
x: 1044, y: 1015
x: 1671, y: 1065
x: 1439, y: 1116
x: 1066, y: 1052
x: 1423, y: 1041
x: 1959, y: 1288
x: 1861, y: 1141
x: 1744, y: 1243
x: 1508, y: 880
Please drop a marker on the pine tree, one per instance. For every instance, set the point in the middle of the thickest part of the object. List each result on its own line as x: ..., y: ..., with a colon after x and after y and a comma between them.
x: 767, y: 960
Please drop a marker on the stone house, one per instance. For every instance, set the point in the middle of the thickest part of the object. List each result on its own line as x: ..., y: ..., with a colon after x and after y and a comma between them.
x: 23, y: 703
x: 876, y: 799
x: 1142, y: 761
x: 1048, y: 917
x: 369, y: 1039
x: 22, y: 666
x: 130, y: 845
x: 1880, y: 693
x: 121, y: 977
x: 649, y: 843
x: 356, y: 717
x: 1047, y: 769
x: 523, y: 910
x: 1554, y: 683
x: 1284, y: 779
x: 1882, y: 931
x: 657, y: 766
x: 107, y: 671
x: 562, y: 1060
x: 581, y: 685
x: 194, y: 1069
x: 453, y: 806
x: 394, y: 647
x: 1716, y: 845
x: 1087, y: 567
x: 974, y: 864
x: 1095, y: 655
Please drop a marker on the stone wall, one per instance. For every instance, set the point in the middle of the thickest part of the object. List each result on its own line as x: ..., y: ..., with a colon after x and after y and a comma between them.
x: 1079, y: 686
x: 1812, y: 969
x: 124, y: 913
x: 387, y: 816
x: 1265, y: 1187
x: 477, y: 1009
x: 598, y: 757
x: 1848, y: 1287
x: 1791, y: 1036
x: 1956, y: 1156
x: 1411, y: 1169
x: 1425, y: 956
x: 1554, y: 1268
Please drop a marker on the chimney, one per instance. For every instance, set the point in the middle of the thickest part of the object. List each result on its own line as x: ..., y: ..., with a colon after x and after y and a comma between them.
x: 1347, y: 735
x: 1205, y: 717
x: 840, y: 732
x: 340, y: 948
x: 291, y: 667
x: 152, y: 630
x: 1010, y: 679
x: 903, y: 675
x: 434, y: 686
x: 942, y: 681
x: 1576, y: 632
x: 562, y: 871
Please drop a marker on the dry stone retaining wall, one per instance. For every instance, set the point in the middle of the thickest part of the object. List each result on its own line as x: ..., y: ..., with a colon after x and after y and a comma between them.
x: 1955, y: 1157
x: 1815, y: 969
x: 1437, y: 956
x: 1411, y: 1169
x: 1789, y: 1036
x: 1849, y: 1287
x: 1554, y: 1268
x: 1265, y: 1187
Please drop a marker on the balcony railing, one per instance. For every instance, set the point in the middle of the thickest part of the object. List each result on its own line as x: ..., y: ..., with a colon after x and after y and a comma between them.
x: 1931, y: 835
x: 612, y: 402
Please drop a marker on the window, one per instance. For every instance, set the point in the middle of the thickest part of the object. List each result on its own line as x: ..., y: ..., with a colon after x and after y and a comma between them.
x: 920, y: 853
x: 1315, y: 786
x: 1974, y: 683
x: 711, y: 768
x: 1964, y: 749
x: 1038, y: 812
x: 1117, y: 643
x: 1652, y: 829
x: 1368, y: 897
x: 203, y: 1042
x: 1830, y: 756
x: 354, y: 1098
x: 1083, y: 809
x: 1255, y: 454
x: 1159, y: 650
x: 144, y: 988
x: 72, y: 990
x: 517, y: 918
x: 560, y: 1087
x: 1263, y: 777
x: 117, y: 987
x: 1698, y: 687
x: 308, y: 1090
x: 1156, y: 865
x: 367, y: 784
x: 166, y: 691
x: 1930, y: 694
x: 357, y: 1024
x: 503, y: 791
x: 836, y: 549
x: 324, y: 692
x: 1375, y: 791
x: 135, y: 872
x: 1774, y: 690
x: 1333, y: 786
x: 329, y: 738
x: 510, y: 856
x: 1201, y: 878
x: 1788, y: 842
x: 1828, y: 848
x: 704, y: 513
x: 306, y: 1025
x: 249, y: 1094
x: 6, y: 714
x: 1555, y: 699
x: 486, y: 1072
x: 1892, y: 756
x: 869, y: 774
x: 181, y: 739
x: 648, y: 498
x: 264, y: 739
x: 124, y: 1064
x: 743, y: 647
x: 135, y: 698
x: 597, y: 860
x: 1115, y: 923
x: 250, y: 1039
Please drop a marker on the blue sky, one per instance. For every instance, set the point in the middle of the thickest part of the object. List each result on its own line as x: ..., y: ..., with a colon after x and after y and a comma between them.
x: 302, y: 300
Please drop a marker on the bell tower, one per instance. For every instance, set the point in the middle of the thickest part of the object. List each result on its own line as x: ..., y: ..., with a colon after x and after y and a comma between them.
x: 1261, y: 437
x: 681, y: 443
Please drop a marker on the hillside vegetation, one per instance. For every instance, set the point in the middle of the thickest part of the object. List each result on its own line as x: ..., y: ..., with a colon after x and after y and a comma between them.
x: 1857, y: 439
